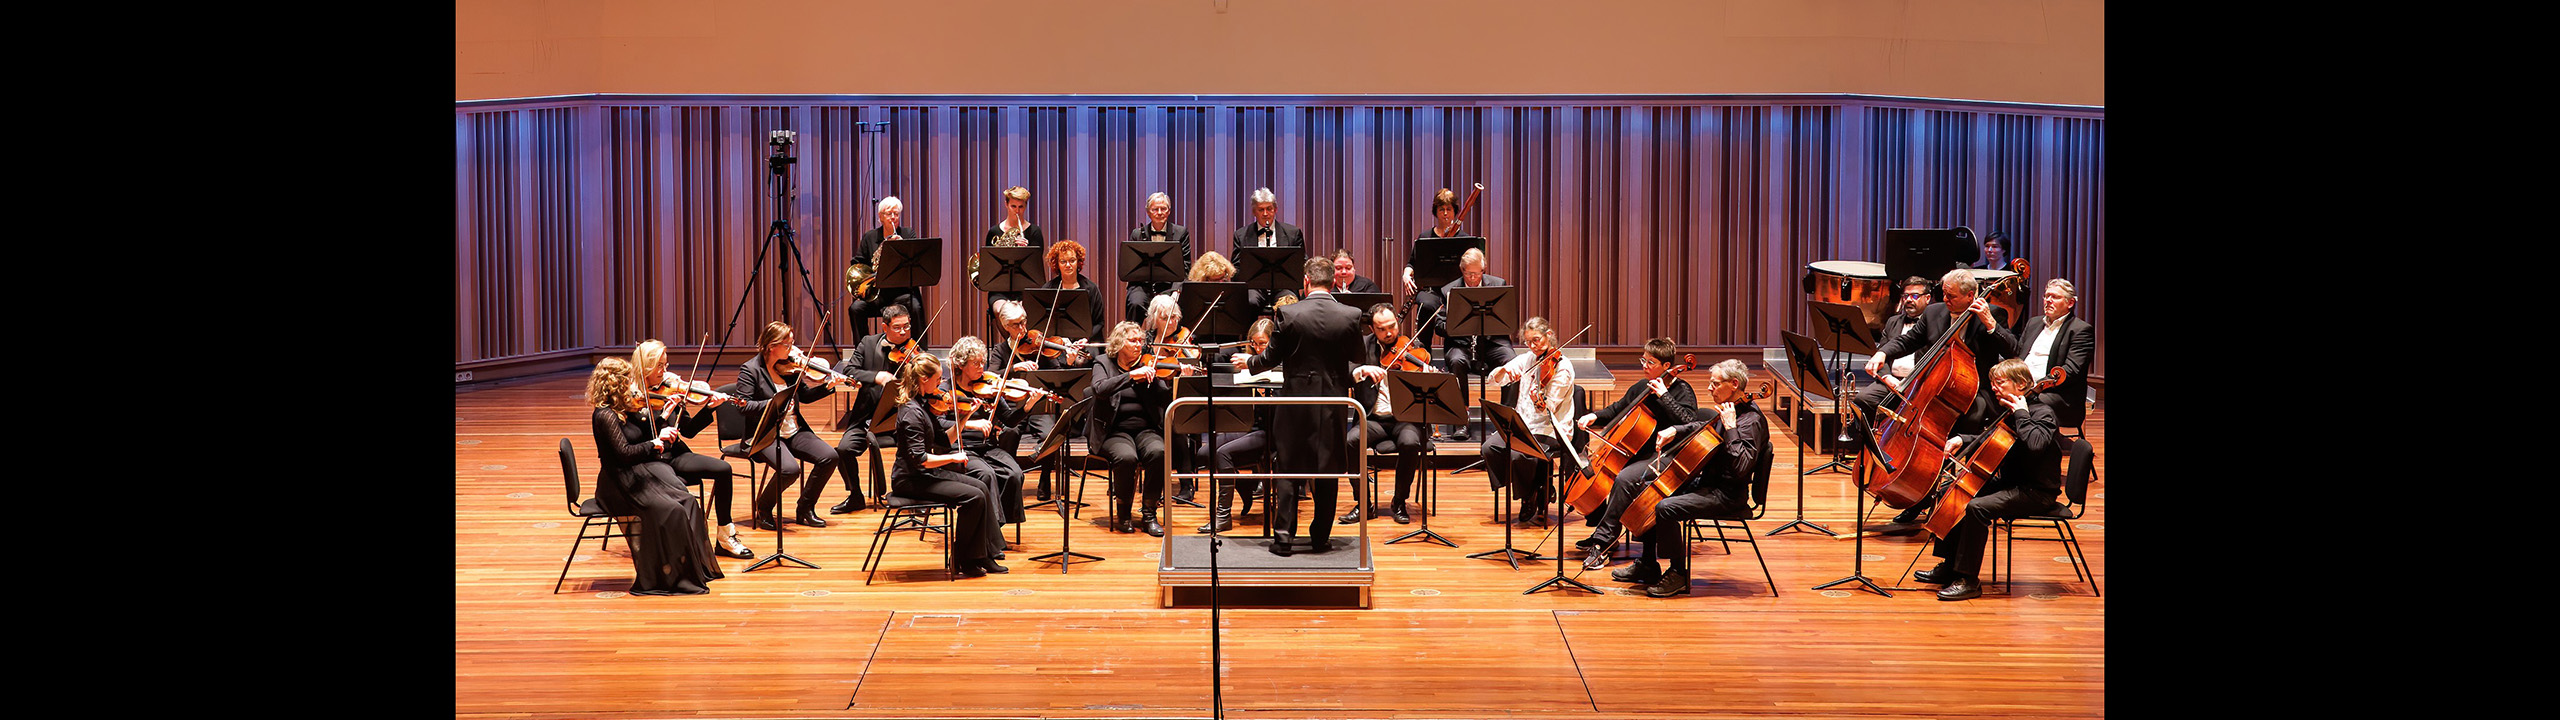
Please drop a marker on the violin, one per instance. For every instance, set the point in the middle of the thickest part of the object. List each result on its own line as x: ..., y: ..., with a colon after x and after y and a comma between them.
x: 1407, y: 356
x: 1051, y: 346
x: 1168, y: 361
x: 816, y: 369
x: 670, y: 387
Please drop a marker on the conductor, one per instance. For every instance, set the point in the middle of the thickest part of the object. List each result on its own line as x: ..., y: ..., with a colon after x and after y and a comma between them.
x: 1317, y: 346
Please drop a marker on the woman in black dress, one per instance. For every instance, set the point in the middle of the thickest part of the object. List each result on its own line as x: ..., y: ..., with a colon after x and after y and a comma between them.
x: 672, y: 555
x: 932, y: 467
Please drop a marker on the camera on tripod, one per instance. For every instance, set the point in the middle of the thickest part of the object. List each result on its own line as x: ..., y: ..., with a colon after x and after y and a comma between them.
x: 781, y: 141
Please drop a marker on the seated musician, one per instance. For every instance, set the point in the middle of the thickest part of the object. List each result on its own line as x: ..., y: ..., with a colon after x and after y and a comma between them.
x: 931, y: 467
x: 867, y: 249
x: 1904, y: 320
x: 2056, y: 339
x: 2029, y: 481
x: 1266, y: 230
x: 1066, y: 272
x: 1719, y: 487
x: 1164, y: 325
x: 991, y: 436
x: 650, y: 359
x: 1549, y: 412
x: 1015, y: 230
x: 775, y: 371
x: 1471, y: 354
x: 1987, y: 335
x: 669, y: 556
x: 1427, y: 299
x: 869, y: 367
x: 1386, y: 435
x: 1127, y: 425
x: 1671, y: 404
x: 1025, y: 349
x: 1347, y: 277
x: 1158, y: 228
x: 1236, y: 450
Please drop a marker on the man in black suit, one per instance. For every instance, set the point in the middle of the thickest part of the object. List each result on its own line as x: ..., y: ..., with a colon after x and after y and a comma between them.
x: 2029, y: 481
x: 1265, y: 231
x: 1158, y: 228
x: 1915, y: 298
x: 1470, y: 354
x: 2058, y: 340
x: 1317, y: 346
x: 1347, y: 277
x: 864, y: 251
x: 868, y: 364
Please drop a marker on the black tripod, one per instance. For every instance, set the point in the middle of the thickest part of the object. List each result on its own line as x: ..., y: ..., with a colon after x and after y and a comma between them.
x: 779, y: 235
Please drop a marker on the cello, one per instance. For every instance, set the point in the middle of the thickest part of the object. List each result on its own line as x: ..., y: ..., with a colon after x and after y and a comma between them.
x: 1963, y: 477
x: 1678, y: 461
x: 1939, y: 392
x: 1613, y: 446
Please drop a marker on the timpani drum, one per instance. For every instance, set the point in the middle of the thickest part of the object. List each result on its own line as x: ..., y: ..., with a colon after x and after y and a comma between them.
x: 1852, y: 282
x: 2009, y: 299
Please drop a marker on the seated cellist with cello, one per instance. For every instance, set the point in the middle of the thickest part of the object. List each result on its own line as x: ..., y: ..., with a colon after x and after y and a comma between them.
x: 2029, y: 480
x: 1719, y: 486
x: 1671, y: 403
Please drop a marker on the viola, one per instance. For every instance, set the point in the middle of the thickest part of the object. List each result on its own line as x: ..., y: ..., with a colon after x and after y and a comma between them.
x: 1051, y: 346
x: 1168, y: 361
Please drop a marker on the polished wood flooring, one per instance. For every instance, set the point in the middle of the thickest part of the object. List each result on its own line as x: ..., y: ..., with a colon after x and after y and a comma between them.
x: 1449, y: 637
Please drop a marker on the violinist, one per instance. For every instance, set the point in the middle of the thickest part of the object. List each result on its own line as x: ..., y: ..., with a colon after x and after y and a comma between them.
x: 1404, y: 440
x: 1546, y: 404
x: 1986, y: 335
x: 930, y: 467
x: 2029, y: 481
x: 870, y: 368
x: 868, y: 248
x: 1025, y: 349
x: 990, y: 434
x: 1719, y: 487
x: 1317, y: 341
x: 1671, y: 403
x: 1164, y: 325
x: 1347, y: 278
x: 669, y: 557
x: 777, y: 369
x: 1236, y: 450
x: 1427, y: 299
x: 650, y: 356
x: 1158, y: 228
x: 1066, y: 272
x: 1127, y: 424
x: 1015, y: 230
x: 1473, y: 354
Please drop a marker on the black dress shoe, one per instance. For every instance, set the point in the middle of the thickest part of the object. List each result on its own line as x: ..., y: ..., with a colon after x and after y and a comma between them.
x: 1319, y: 545
x: 1397, y: 512
x: 730, y: 547
x: 1935, y: 576
x: 1349, y: 518
x: 1599, y: 539
x: 998, y: 556
x: 764, y: 522
x: 1043, y: 494
x: 1128, y: 525
x: 810, y: 518
x: 1638, y: 573
x: 850, y: 505
x: 1962, y: 589
x: 969, y: 568
x: 1217, y: 526
x: 1596, y: 560
x: 1672, y: 583
x: 992, y: 568
x: 1280, y: 545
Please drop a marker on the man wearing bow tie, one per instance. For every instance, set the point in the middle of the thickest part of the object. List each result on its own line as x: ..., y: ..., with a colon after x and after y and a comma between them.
x: 1266, y: 231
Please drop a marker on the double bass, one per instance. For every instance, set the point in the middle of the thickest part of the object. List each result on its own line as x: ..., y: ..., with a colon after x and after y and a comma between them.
x: 1938, y: 393
x: 1678, y: 461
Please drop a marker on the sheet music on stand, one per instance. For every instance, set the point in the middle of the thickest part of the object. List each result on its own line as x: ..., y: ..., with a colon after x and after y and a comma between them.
x: 912, y: 262
x: 1066, y: 313
x: 1152, y: 262
x: 1010, y: 269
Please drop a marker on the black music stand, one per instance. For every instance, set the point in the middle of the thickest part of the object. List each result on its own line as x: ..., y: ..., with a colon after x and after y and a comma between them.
x: 1231, y: 316
x: 1803, y: 360
x: 910, y: 263
x: 1270, y: 269
x: 769, y: 431
x: 1516, y: 435
x: 1858, y: 553
x: 1053, y: 453
x: 1846, y: 326
x: 1066, y: 313
x: 1010, y: 269
x: 1070, y: 385
x: 1151, y: 262
x: 1429, y: 398
x: 1927, y: 253
x: 1435, y: 259
x: 1477, y: 312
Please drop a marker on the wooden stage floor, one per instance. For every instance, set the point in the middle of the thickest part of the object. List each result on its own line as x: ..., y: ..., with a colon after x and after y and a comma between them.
x: 1448, y: 637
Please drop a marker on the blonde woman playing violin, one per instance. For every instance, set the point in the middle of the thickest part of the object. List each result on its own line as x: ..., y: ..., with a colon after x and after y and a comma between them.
x: 779, y: 368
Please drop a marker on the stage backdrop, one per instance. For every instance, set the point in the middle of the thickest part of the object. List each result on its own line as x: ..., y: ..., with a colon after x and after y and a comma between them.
x: 595, y: 221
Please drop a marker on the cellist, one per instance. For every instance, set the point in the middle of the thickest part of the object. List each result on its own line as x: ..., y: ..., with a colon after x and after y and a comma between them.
x: 1989, y: 338
x: 2029, y: 481
x: 1672, y: 403
x: 1721, y: 486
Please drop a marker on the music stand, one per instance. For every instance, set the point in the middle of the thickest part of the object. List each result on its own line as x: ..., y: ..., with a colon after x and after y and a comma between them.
x: 1270, y: 269
x: 1804, y: 357
x: 1151, y: 262
x: 1429, y: 398
x: 1928, y: 253
x: 1515, y: 434
x: 1010, y: 269
x: 1053, y: 448
x: 768, y: 431
x: 1230, y: 318
x: 1846, y: 326
x: 1477, y: 312
x: 1066, y: 313
x: 1070, y: 385
x: 1435, y: 259
x: 910, y: 263
x: 1194, y: 420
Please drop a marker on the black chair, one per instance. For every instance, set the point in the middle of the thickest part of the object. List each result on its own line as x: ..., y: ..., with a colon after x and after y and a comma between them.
x: 593, y: 511
x: 904, y: 513
x: 2075, y: 487
x: 733, y: 446
x: 1740, y: 521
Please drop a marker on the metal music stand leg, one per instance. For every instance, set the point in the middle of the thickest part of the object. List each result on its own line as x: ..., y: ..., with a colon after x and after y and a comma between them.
x: 1857, y: 563
x: 1424, y: 503
x: 1800, y: 523
x: 778, y: 555
x: 1502, y: 499
x: 1066, y: 555
x: 1555, y: 485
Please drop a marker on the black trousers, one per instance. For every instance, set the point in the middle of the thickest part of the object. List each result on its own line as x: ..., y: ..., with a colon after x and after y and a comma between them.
x: 1426, y: 302
x: 1672, y: 511
x: 1128, y: 452
x: 1477, y: 355
x: 1962, y: 547
x: 785, y: 456
x: 700, y: 468
x: 1139, y: 294
x: 1401, y: 439
x: 975, y: 536
x: 857, y: 440
x: 1629, y: 483
x: 1527, y: 476
x: 1003, y: 472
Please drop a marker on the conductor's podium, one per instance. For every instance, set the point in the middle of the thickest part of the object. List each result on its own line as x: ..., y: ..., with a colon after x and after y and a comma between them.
x: 1247, y: 573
